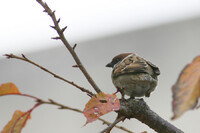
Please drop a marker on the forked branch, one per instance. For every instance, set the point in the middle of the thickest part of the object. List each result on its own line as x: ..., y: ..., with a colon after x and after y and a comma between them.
x: 61, y: 106
x: 109, y: 128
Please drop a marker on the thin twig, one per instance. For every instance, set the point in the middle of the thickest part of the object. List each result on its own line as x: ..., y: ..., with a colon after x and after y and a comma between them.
x: 19, y: 94
x: 24, y: 58
x: 61, y: 106
x: 67, y: 45
x: 74, y: 46
x: 119, y: 127
x: 109, y: 128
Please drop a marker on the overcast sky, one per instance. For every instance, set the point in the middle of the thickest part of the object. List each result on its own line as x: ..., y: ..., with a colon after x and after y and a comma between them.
x: 23, y: 25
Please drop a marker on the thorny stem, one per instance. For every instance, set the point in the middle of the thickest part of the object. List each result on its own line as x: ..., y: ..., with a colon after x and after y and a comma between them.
x: 24, y: 58
x: 67, y: 45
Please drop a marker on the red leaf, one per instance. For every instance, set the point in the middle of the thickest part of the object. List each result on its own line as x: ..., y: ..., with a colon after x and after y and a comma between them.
x: 186, y: 91
x: 8, y: 88
x: 99, y: 105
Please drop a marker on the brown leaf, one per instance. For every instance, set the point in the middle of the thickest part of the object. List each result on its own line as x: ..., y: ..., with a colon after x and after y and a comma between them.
x: 8, y: 88
x: 17, y: 122
x: 186, y: 91
x: 99, y: 105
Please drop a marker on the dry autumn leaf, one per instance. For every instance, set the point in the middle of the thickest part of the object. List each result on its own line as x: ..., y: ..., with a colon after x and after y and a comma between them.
x: 99, y: 105
x: 17, y: 122
x: 186, y: 91
x: 8, y: 88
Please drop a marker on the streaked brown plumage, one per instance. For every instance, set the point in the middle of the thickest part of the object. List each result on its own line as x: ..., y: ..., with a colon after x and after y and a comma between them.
x: 133, y: 75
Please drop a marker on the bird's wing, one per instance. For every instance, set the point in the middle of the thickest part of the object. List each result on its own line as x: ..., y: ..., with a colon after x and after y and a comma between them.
x: 131, y: 65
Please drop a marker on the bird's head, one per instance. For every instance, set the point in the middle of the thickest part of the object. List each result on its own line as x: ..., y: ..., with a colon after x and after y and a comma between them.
x: 117, y: 59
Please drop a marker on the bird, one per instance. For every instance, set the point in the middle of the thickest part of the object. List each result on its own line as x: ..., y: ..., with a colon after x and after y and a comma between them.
x: 133, y: 76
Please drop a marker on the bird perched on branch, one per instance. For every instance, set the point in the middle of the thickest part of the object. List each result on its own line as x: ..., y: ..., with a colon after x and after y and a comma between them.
x: 133, y: 75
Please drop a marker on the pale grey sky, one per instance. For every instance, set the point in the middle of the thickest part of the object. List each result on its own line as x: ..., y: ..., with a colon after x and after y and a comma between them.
x: 24, y: 25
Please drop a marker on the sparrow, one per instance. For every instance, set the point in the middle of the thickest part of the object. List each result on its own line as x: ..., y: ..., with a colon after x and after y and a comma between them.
x: 133, y: 75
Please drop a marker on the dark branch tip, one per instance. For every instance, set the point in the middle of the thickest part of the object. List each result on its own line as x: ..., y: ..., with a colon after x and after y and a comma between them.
x: 52, y: 27
x: 75, y: 66
x: 58, y: 20
x: 63, y: 29
x: 74, y: 46
x: 44, y: 10
x: 23, y: 56
x: 50, y: 100
x: 56, y: 38
x: 8, y: 56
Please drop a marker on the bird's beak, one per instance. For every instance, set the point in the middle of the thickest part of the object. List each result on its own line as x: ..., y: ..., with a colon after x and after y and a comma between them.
x: 109, y: 65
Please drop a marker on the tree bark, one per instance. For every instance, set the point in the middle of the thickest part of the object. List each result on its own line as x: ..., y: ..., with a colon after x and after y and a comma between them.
x: 137, y: 108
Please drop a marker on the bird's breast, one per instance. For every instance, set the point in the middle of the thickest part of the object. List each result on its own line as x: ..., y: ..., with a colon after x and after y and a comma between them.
x: 135, y: 84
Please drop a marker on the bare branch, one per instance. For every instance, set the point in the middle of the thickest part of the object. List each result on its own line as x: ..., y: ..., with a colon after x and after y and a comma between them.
x: 109, y: 128
x: 67, y: 45
x: 137, y: 108
x: 24, y: 58
x: 119, y: 127
x: 61, y: 106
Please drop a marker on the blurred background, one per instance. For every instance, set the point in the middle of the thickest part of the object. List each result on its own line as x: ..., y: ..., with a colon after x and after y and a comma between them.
x: 166, y: 32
